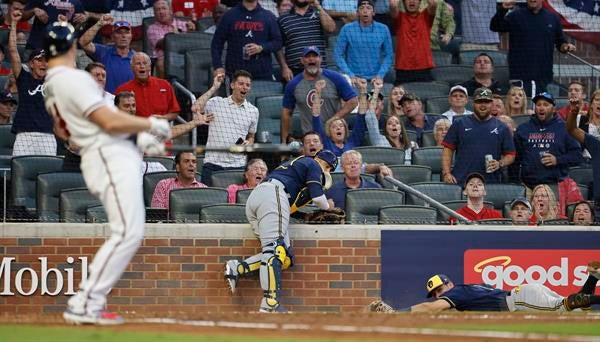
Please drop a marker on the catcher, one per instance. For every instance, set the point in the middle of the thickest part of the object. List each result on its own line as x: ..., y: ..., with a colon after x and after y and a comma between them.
x: 290, y: 186
x: 482, y: 297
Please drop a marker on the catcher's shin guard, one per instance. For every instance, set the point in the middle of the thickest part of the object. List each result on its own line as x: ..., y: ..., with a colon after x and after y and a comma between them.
x: 270, y: 281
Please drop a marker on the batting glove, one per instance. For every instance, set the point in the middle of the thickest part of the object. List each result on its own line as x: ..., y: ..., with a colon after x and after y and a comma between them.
x: 150, y: 145
x: 160, y: 128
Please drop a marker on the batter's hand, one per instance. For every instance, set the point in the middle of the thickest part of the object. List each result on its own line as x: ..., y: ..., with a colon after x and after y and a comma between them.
x: 160, y: 128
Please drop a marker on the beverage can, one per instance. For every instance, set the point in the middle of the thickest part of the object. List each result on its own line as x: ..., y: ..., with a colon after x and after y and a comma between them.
x: 488, y: 159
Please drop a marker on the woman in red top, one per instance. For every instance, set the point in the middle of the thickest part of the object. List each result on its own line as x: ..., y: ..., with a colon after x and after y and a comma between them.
x: 545, y: 205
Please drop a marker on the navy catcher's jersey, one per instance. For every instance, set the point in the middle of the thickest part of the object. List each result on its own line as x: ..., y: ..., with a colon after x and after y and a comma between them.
x: 476, y: 298
x: 299, y: 173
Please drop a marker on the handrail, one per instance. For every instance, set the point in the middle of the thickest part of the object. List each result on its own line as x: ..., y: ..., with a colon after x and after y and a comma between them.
x: 180, y: 119
x: 583, y: 61
x: 431, y: 201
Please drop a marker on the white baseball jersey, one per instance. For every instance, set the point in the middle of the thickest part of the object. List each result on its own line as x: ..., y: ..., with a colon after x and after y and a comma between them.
x: 74, y: 107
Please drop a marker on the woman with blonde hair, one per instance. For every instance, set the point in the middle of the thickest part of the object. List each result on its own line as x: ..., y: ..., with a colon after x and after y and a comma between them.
x: 590, y: 123
x: 394, y: 133
x: 515, y: 102
x: 394, y: 107
x: 544, y: 203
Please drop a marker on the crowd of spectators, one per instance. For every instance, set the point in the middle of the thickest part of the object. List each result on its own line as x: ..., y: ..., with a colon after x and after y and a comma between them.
x: 340, y: 99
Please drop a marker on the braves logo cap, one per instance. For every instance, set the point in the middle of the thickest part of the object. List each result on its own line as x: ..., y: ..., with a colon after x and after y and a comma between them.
x: 544, y: 96
x: 435, y: 282
x: 483, y: 94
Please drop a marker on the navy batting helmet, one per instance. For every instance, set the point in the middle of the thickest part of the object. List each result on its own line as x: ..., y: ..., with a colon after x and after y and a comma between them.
x: 60, y: 36
x: 328, y: 157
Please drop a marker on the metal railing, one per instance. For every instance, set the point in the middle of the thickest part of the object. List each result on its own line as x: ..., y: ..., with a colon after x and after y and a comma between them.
x: 570, y: 67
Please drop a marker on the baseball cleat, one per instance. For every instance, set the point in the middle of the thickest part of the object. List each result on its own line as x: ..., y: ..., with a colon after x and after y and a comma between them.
x: 97, y: 318
x: 594, y: 269
x: 380, y: 306
x: 278, y: 309
x: 231, y: 275
x: 576, y: 301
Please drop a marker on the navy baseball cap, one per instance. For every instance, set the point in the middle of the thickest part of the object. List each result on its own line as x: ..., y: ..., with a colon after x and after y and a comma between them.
x: 311, y: 49
x: 369, y: 2
x: 328, y: 157
x: 474, y: 175
x: 544, y: 96
x: 37, y: 54
x: 121, y: 24
x: 435, y: 282
x: 7, y: 96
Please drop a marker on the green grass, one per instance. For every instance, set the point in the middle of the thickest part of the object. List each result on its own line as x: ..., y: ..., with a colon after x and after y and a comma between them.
x: 29, y: 333
x: 563, y: 328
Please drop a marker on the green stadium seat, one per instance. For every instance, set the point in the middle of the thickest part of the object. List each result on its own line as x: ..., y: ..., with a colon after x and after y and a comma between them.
x: 48, y: 189
x: 411, y: 174
x: 362, y: 205
x: 241, y: 197
x: 24, y: 172
x: 426, y: 90
x: 407, y: 214
x: 223, y: 179
x: 441, y: 192
x: 150, y: 181
x: 379, y: 154
x: 185, y: 204
x: 167, y: 162
x: 96, y: 214
x: 499, y: 193
x: 431, y: 157
x: 269, y: 120
x: 452, y: 74
x: 223, y: 213
x: 73, y: 204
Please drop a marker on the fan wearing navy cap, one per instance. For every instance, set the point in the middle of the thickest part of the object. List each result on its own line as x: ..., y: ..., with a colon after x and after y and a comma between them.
x: 475, y: 209
x: 292, y: 185
x: 7, y: 106
x: 545, y: 150
x: 520, y: 211
x: 483, y: 297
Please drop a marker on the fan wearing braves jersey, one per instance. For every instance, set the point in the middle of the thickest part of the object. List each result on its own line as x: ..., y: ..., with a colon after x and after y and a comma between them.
x: 83, y: 115
x: 483, y: 297
x: 290, y: 186
x: 473, y: 137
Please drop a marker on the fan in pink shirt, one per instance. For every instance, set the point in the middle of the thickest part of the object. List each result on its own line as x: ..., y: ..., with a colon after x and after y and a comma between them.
x: 256, y: 172
x: 185, y: 165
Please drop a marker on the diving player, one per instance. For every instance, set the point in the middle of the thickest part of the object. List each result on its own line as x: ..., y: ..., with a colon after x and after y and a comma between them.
x: 289, y: 187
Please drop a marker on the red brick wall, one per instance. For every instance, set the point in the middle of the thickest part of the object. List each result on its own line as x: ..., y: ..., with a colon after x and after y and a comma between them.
x: 185, y: 276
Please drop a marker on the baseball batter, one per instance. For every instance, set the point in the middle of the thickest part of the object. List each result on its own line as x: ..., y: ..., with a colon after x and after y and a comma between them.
x: 82, y: 115
x: 482, y: 297
x: 289, y: 187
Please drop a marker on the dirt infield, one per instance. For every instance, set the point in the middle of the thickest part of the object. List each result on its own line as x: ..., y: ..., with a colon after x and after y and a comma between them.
x: 361, y: 326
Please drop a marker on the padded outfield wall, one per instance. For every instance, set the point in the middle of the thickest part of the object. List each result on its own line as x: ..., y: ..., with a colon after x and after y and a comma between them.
x: 178, y: 270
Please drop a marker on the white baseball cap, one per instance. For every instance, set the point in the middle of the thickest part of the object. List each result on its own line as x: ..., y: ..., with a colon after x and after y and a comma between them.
x: 458, y: 87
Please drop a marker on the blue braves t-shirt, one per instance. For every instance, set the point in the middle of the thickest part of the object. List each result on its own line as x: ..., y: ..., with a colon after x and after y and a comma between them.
x: 481, y: 297
x: 31, y: 113
x: 118, y: 69
x: 297, y: 174
x: 471, y: 139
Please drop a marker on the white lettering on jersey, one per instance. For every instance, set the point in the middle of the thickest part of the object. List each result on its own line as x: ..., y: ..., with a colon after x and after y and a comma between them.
x: 494, y: 131
x: 249, y: 34
x: 39, y: 89
x: 467, y: 129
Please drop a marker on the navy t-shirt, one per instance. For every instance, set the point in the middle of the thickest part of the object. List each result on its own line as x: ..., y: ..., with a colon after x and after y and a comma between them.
x: 472, y: 139
x: 593, y: 146
x: 31, y: 113
x: 53, y: 8
x: 299, y: 173
x: 481, y: 297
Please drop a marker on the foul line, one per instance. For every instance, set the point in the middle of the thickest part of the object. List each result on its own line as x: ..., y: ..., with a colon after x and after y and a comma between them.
x: 376, y: 329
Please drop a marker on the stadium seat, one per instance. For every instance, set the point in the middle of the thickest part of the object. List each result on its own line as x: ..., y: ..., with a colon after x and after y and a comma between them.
x: 431, y: 157
x: 203, y: 23
x: 521, y: 119
x: 410, y: 174
x: 96, y: 214
x: 441, y: 57
x: 499, y: 193
x: 241, y: 196
x: 337, y: 177
x: 411, y: 135
x: 223, y: 213
x: 269, y: 120
x: 582, y: 175
x: 501, y: 75
x: 585, y: 191
x: 561, y: 102
x: 379, y: 154
x: 426, y: 90
x: 437, y: 105
x: 198, y: 75
x: 185, y: 204
x: 73, y: 204
x: 498, y: 221
x: 428, y: 139
x: 48, y: 188
x: 150, y: 181
x: 556, y: 222
x: 452, y: 74
x: 168, y: 162
x: 407, y: 214
x: 362, y: 205
x: 223, y: 179
x: 7, y: 140
x: 24, y: 172
x: 441, y: 192
x: 499, y: 57
x: 264, y: 88
x: 176, y: 45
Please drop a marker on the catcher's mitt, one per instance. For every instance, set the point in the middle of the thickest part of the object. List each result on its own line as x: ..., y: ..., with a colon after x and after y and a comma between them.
x: 331, y: 216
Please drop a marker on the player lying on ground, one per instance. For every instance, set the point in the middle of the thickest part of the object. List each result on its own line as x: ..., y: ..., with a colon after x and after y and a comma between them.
x: 482, y: 297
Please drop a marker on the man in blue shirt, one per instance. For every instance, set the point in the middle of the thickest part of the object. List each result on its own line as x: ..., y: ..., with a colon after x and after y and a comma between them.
x: 417, y: 121
x: 352, y: 166
x: 116, y: 58
x: 472, y: 138
x: 292, y: 185
x: 364, y: 47
x: 252, y: 35
x: 533, y: 32
x: 483, y: 297
x: 592, y: 144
